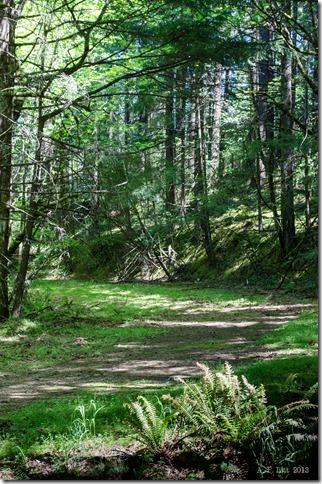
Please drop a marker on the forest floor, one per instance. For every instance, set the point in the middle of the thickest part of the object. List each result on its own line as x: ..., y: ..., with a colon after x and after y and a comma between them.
x: 196, y: 331
x: 85, y: 346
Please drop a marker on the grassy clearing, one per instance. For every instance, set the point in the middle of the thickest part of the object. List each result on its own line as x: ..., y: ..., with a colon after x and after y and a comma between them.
x: 136, y: 301
x: 103, y: 316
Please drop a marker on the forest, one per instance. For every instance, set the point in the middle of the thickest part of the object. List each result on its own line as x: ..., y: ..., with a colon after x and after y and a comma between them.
x: 159, y: 220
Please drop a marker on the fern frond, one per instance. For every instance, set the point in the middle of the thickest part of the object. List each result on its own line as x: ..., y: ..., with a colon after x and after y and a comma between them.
x: 252, y: 390
x: 152, y: 427
x: 229, y: 383
x: 299, y: 406
x: 208, y: 376
x: 150, y: 410
x: 311, y: 391
x: 141, y: 417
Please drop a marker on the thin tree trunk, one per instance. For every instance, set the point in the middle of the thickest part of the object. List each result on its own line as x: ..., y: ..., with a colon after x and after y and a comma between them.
x: 215, y: 110
x: 201, y: 192
x: 7, y: 68
x: 170, y: 197
x: 183, y: 139
x: 306, y: 165
x: 33, y: 215
x: 95, y: 183
x: 128, y: 119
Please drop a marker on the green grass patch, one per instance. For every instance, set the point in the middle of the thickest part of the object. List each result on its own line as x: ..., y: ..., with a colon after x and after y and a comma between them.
x: 288, y: 378
x: 136, y: 301
x: 285, y: 379
x: 300, y: 333
x: 51, y: 425
x: 57, y: 345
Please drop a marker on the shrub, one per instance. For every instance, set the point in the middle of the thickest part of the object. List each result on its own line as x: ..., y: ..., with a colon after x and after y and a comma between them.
x: 222, y: 405
x: 100, y: 257
x: 226, y: 422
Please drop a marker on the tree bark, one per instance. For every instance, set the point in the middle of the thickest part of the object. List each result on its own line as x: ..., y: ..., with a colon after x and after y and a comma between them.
x: 170, y: 152
x: 182, y: 130
x: 215, y: 112
x: 33, y: 215
x: 286, y: 152
x: 201, y: 191
x: 7, y: 69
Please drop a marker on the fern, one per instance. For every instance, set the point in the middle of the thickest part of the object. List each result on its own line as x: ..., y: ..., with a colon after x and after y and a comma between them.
x: 287, y: 436
x: 222, y: 404
x: 229, y: 413
x: 311, y: 391
x: 153, y: 429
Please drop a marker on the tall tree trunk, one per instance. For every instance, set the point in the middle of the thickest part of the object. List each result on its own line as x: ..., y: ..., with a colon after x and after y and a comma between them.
x: 256, y: 163
x: 201, y: 190
x: 35, y: 192
x: 286, y: 152
x: 215, y: 121
x: 306, y: 164
x: 7, y: 69
x: 128, y: 119
x: 32, y: 217
x: 95, y: 228
x: 182, y: 129
x: 170, y: 154
x: 262, y: 75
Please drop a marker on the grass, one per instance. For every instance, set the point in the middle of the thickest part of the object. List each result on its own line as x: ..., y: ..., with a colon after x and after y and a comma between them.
x: 59, y: 312
x: 301, y: 333
x: 289, y: 377
x: 48, y: 425
x: 285, y: 379
x: 139, y: 301
x: 107, y: 315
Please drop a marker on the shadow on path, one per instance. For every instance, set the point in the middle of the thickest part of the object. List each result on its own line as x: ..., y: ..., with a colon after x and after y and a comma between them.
x: 228, y: 334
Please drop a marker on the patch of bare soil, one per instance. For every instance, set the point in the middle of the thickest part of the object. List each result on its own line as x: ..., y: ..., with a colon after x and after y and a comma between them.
x: 203, y: 335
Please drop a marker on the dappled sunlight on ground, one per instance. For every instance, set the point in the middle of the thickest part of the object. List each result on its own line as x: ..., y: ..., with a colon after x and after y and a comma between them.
x: 203, y: 333
x: 217, y: 324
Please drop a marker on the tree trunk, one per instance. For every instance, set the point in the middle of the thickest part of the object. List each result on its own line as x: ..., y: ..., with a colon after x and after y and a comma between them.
x: 33, y: 215
x: 286, y: 152
x: 95, y: 228
x: 262, y: 75
x: 7, y: 68
x: 170, y: 184
x: 182, y: 128
x: 215, y: 121
x: 201, y: 191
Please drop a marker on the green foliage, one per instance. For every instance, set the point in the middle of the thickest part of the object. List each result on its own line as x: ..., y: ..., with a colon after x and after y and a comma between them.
x: 286, y: 439
x: 84, y: 425
x: 300, y: 332
x: 99, y: 257
x: 231, y: 417
x: 66, y: 422
x: 223, y: 405
x: 153, y: 422
x: 285, y: 379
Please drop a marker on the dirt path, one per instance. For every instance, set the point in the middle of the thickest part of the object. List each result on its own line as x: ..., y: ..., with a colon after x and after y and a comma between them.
x: 229, y: 334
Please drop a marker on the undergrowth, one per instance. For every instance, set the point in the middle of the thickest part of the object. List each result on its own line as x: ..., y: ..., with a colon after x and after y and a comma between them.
x: 227, y: 422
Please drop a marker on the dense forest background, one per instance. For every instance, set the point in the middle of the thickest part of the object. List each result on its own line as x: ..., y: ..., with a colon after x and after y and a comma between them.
x: 158, y: 139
